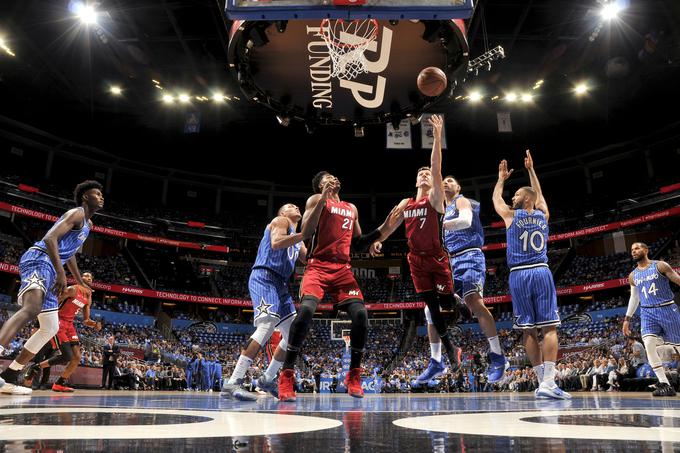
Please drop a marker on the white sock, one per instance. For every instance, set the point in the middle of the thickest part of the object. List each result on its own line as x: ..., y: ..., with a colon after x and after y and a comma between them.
x: 2, y: 350
x: 549, y: 373
x: 538, y: 369
x: 272, y: 369
x: 660, y: 374
x: 240, y: 369
x: 16, y: 366
x: 436, y: 351
x: 495, y: 345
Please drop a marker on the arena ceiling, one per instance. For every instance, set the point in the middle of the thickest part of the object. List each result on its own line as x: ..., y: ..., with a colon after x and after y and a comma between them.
x: 60, y: 78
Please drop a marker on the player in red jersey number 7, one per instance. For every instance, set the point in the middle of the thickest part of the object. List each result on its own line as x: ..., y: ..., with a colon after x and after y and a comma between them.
x: 427, y: 258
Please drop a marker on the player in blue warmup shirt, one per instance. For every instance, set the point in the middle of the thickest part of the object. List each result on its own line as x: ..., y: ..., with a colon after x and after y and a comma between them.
x: 277, y: 254
x: 534, y: 298
x: 43, y: 279
x: 464, y: 238
x: 660, y: 320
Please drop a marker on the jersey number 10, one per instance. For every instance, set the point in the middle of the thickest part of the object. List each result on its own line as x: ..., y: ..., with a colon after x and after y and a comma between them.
x: 536, y: 240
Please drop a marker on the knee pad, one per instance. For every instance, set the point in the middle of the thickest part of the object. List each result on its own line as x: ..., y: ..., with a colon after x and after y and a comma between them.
x: 263, y: 332
x: 358, y: 314
x: 49, y: 326
x: 65, y: 357
x: 651, y: 343
x: 299, y: 327
x: 307, y: 308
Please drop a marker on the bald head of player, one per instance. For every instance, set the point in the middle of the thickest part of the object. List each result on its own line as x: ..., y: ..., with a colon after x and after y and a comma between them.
x: 451, y: 186
x: 320, y: 179
x: 290, y: 211
x: 424, y: 178
x: 639, y: 251
x: 524, y: 198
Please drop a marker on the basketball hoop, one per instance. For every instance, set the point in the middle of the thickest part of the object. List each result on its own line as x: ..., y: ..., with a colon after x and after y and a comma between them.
x: 347, y: 42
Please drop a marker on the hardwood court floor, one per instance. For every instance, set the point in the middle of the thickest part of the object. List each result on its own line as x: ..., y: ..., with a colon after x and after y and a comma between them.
x: 122, y: 421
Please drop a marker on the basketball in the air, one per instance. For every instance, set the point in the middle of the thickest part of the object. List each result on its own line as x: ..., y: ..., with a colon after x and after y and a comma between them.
x: 432, y: 81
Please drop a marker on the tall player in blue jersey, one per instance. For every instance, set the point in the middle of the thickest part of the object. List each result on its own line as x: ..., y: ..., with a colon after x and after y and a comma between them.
x: 43, y: 279
x: 279, y: 249
x: 534, y: 298
x: 464, y: 238
x: 659, y: 316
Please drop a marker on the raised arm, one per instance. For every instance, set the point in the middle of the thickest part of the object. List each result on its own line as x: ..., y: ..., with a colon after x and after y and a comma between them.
x: 437, y: 194
x: 394, y: 219
x: 389, y: 226
x: 668, y: 271
x: 313, y: 209
x: 72, y: 219
x: 633, y: 303
x: 502, y: 209
x: 280, y: 239
x: 302, y: 257
x: 541, y: 205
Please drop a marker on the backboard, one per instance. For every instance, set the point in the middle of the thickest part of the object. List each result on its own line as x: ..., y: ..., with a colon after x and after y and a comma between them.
x: 286, y: 66
x: 348, y: 9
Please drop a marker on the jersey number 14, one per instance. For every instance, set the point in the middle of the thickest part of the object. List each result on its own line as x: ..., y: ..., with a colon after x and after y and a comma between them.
x: 652, y: 290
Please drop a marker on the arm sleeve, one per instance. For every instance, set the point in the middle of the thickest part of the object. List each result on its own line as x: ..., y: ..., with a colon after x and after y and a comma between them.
x: 633, y: 302
x: 464, y: 220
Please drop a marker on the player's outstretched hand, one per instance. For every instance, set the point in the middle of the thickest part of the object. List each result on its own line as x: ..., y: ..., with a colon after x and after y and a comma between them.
x: 503, y: 173
x: 528, y: 161
x: 394, y: 217
x: 437, y: 124
x: 375, y: 248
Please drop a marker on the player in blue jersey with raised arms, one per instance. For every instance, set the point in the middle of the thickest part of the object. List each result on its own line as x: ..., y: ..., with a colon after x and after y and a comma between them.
x: 659, y: 316
x: 464, y: 238
x: 534, y: 298
x: 43, y: 279
x: 279, y: 249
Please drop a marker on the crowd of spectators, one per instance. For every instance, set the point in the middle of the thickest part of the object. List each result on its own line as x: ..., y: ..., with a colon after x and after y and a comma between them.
x: 596, y: 356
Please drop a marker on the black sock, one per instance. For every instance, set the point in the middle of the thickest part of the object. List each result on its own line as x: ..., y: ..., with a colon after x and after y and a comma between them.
x: 60, y: 381
x: 355, y: 358
x: 359, y: 332
x: 291, y: 357
x: 10, y: 375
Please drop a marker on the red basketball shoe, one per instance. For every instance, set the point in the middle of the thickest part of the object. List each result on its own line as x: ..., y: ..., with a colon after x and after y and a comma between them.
x: 61, y: 388
x: 353, y: 383
x: 287, y: 385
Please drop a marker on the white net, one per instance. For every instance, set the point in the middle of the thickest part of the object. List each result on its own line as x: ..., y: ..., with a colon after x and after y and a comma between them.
x: 346, y: 337
x: 347, y: 41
